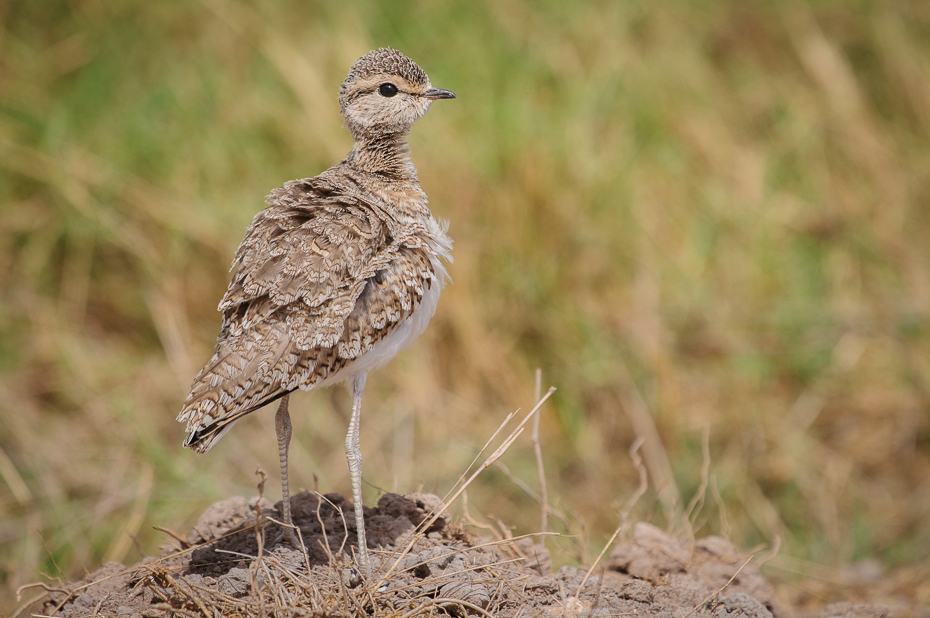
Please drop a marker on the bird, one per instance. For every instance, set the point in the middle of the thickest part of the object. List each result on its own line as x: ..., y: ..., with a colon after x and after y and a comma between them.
x: 335, y: 276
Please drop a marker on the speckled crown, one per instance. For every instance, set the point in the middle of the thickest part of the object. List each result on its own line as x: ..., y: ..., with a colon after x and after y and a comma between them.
x: 386, y: 61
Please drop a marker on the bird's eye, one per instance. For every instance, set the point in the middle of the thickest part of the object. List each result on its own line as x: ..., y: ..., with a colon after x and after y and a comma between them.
x: 388, y: 90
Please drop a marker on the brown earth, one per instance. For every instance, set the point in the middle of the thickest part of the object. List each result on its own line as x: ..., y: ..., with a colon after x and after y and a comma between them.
x: 220, y: 569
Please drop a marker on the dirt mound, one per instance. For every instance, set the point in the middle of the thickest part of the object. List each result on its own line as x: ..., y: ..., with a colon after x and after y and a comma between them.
x: 229, y: 566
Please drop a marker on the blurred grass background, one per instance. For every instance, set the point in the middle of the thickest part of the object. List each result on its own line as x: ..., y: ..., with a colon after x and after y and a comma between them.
x: 706, y: 215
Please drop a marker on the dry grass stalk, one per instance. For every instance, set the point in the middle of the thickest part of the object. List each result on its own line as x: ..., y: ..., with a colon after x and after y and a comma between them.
x: 697, y: 501
x: 717, y: 592
x: 625, y: 514
x: 657, y: 461
x: 447, y: 501
x: 537, y: 450
x: 529, y: 491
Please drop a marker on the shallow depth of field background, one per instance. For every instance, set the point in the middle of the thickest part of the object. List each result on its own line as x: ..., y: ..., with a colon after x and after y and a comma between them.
x: 712, y: 214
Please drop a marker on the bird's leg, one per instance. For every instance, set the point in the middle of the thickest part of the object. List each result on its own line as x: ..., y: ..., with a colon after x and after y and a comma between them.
x: 282, y: 426
x: 354, y: 457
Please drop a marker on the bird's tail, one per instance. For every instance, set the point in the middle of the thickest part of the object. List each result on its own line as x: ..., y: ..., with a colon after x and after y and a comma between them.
x: 244, y: 374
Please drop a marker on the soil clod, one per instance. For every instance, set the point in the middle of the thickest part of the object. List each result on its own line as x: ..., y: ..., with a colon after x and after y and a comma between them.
x: 229, y: 572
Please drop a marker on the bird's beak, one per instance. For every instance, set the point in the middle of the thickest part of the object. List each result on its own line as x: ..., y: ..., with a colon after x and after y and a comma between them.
x: 438, y: 93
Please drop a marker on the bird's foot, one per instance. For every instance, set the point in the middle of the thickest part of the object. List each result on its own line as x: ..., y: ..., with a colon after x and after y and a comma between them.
x: 290, y: 536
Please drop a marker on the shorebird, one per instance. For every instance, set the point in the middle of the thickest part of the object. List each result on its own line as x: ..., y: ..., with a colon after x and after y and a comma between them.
x: 334, y: 277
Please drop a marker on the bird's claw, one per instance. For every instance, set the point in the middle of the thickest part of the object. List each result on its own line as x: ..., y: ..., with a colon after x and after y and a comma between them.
x: 289, y: 535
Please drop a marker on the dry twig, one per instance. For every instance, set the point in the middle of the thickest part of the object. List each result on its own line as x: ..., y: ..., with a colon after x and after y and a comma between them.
x: 625, y: 515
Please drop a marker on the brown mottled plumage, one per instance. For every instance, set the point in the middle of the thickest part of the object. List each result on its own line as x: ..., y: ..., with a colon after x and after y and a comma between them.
x: 334, y: 277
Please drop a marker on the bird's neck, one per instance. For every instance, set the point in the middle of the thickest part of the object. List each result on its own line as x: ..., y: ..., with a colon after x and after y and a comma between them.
x: 386, y: 155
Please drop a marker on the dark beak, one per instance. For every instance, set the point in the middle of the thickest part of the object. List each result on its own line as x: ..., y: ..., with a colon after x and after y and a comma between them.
x: 438, y: 93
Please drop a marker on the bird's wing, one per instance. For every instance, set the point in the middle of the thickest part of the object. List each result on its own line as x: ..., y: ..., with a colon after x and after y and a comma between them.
x: 319, y: 281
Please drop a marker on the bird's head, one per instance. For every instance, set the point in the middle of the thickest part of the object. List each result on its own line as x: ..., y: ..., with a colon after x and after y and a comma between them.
x: 385, y: 93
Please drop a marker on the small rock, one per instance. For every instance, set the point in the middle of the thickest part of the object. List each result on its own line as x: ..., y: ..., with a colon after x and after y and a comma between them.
x: 570, y: 574
x: 717, y: 547
x: 637, y: 590
x: 220, y: 518
x: 457, y: 564
x: 235, y: 583
x: 577, y: 607
x: 537, y: 557
x: 289, y: 556
x: 84, y: 601
x: 650, y: 555
x: 470, y: 592
x: 410, y: 563
x: 435, y: 560
x: 427, y: 504
x: 544, y: 585
x: 386, y: 530
x: 741, y: 604
x: 681, y: 589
